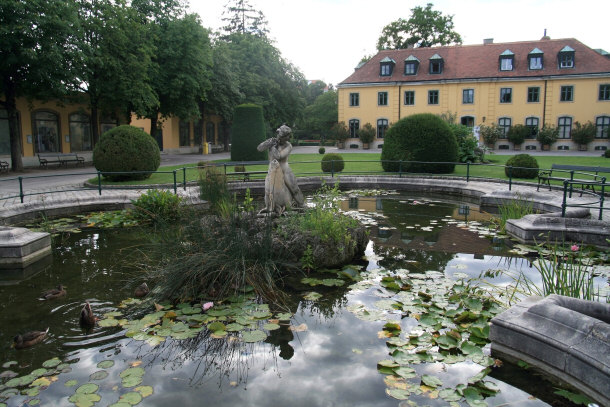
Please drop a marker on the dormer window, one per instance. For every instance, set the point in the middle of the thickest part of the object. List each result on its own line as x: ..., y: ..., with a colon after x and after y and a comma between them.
x: 566, y: 57
x: 436, y: 64
x: 534, y: 59
x: 507, y: 59
x: 411, y: 65
x: 386, y: 66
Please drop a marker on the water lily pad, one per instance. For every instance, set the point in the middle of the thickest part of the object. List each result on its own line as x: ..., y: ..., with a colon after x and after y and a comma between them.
x: 99, y: 375
x: 39, y: 372
x: 284, y: 316
x: 84, y: 400
x: 132, y: 371
x: 449, y: 395
x: 312, y: 296
x: 398, y: 394
x: 33, y: 402
x: 131, y: 381
x: 41, y: 381
x: 234, y: 327
x: 133, y: 398
x: 470, y: 348
x: 217, y: 326
x: 431, y: 381
x: 33, y: 392
x: 271, y: 327
x: 9, y: 393
x: 145, y: 391
x: 184, y: 335
x: 254, y: 336
x: 191, y: 310
x: 446, y: 342
x: 120, y: 404
x: 51, y: 363
x: 71, y: 383
x: 261, y: 314
x: 20, y: 381
x: 105, y: 364
x: 87, y: 388
x: 113, y: 314
x: 8, y: 364
x: 333, y: 282
x: 106, y: 323
x: 405, y: 372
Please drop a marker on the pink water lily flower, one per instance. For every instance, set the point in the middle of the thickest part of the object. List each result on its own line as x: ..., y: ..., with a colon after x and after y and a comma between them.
x: 207, y: 306
x: 575, y: 248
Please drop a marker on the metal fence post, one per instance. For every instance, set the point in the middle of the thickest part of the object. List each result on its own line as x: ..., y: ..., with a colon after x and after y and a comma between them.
x: 565, y: 195
x: 21, y: 189
x: 467, y: 171
x: 184, y: 177
x: 99, y: 183
x: 175, y: 185
x: 571, y: 184
x: 601, y: 198
x: 510, y: 177
x: 400, y: 169
x: 332, y: 168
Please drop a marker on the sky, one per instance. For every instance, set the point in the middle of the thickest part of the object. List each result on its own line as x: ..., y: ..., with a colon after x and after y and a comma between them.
x: 325, y: 39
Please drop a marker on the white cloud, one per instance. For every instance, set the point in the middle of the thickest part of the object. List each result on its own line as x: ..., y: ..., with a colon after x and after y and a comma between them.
x: 326, y: 39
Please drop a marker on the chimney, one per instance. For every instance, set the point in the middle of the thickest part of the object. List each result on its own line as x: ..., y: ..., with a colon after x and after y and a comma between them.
x: 488, y: 41
x: 545, y: 37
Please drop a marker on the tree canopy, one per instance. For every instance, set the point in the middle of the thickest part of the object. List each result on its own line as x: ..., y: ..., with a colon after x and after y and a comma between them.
x: 425, y: 28
x: 242, y: 18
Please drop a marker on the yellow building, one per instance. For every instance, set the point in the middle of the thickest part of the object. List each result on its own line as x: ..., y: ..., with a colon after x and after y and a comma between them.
x: 557, y: 82
x: 47, y: 127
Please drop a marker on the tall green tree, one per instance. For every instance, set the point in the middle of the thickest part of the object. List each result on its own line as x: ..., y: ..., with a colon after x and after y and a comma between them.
x: 320, y: 116
x: 37, y: 53
x: 181, y: 69
x: 116, y: 56
x: 425, y: 28
x: 241, y: 18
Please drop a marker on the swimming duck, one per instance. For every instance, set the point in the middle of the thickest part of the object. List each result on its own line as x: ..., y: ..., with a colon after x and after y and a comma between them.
x: 29, y: 339
x: 53, y: 293
x: 142, y: 290
x: 87, y: 319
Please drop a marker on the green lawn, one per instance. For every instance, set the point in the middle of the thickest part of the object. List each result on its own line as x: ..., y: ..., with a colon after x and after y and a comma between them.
x: 358, y: 164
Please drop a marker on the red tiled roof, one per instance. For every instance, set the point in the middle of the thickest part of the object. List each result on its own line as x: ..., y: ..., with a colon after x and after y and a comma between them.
x: 482, y: 61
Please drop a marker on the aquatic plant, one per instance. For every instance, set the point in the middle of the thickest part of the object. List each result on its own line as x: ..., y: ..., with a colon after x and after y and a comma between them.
x: 213, y: 187
x: 514, y: 209
x: 157, y: 206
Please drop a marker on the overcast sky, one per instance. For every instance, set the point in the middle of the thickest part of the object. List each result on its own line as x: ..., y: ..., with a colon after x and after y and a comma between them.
x: 325, y: 39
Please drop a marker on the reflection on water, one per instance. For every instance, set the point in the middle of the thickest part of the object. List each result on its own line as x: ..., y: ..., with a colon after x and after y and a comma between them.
x: 331, y: 360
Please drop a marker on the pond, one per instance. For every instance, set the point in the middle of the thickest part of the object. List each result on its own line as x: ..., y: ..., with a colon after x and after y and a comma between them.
x: 333, y: 348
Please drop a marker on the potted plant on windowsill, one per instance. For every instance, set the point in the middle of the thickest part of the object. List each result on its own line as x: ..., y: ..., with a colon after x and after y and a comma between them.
x: 516, y: 134
x: 366, y: 134
x: 339, y: 132
x: 583, y: 134
x: 490, y: 134
x: 547, y: 135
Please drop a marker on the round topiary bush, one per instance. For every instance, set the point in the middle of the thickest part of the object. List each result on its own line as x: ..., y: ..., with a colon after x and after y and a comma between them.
x: 425, y: 138
x: 321, y: 150
x: 523, y: 166
x: 123, y: 149
x: 332, y: 162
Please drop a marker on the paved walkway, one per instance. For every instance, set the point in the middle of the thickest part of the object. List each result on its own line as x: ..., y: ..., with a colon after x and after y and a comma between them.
x: 70, y: 183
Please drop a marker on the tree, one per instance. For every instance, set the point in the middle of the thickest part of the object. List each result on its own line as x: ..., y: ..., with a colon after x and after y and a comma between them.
x: 242, y: 18
x: 425, y: 28
x: 320, y: 116
x: 339, y: 132
x: 583, y: 134
x: 517, y: 134
x: 115, y: 60
x: 366, y: 134
x: 37, y: 57
x: 181, y: 70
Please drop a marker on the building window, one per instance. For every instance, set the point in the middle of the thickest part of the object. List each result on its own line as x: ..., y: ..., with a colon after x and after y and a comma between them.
x: 506, y: 95
x: 411, y: 67
x: 5, y: 137
x: 533, y: 95
x: 198, y: 132
x: 567, y: 94
x: 386, y: 66
x: 433, y: 97
x: 565, y: 127
x: 436, y: 64
x: 46, y: 132
x: 506, y: 60
x: 604, y: 92
x: 210, y: 132
x: 504, y: 123
x: 184, y: 134
x: 354, y: 126
x: 354, y: 99
x: 532, y: 123
x: 467, y: 121
x: 382, y: 98
x: 468, y: 96
x: 602, y: 123
x: 409, y: 97
x: 382, y: 126
x: 535, y: 59
x: 80, y: 132
x: 566, y: 57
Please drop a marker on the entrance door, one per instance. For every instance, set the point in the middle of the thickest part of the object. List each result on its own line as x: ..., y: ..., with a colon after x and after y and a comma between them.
x: 46, y: 132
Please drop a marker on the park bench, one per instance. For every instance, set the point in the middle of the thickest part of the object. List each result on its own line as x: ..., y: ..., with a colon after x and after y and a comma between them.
x: 564, y: 172
x: 59, y: 158
x: 3, y: 166
x: 217, y: 148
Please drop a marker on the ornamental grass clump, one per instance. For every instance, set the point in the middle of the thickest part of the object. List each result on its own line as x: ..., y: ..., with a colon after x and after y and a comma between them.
x: 157, y: 206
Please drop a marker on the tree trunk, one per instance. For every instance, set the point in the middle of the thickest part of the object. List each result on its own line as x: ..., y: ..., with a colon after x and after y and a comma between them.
x: 225, y: 135
x: 154, y: 120
x: 13, y: 123
x: 95, y: 128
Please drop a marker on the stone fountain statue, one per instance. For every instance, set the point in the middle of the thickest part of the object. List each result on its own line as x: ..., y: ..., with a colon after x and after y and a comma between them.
x: 281, y: 188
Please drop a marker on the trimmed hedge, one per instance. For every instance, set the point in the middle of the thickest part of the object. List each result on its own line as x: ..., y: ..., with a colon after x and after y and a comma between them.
x: 525, y: 162
x: 248, y: 133
x: 332, y: 162
x: 420, y: 137
x: 126, y: 148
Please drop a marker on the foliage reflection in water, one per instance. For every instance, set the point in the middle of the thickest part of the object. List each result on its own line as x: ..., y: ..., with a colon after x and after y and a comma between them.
x: 372, y: 334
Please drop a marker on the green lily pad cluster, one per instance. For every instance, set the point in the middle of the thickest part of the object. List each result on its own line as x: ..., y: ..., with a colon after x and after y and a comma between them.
x: 349, y: 273
x: 240, y: 316
x: 31, y: 384
x: 450, y: 325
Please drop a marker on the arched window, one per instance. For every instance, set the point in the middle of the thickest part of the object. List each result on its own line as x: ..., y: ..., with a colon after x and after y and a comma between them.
x: 46, y: 132
x: 504, y: 123
x: 184, y: 133
x: 354, y: 126
x: 565, y: 127
x: 80, y: 132
x: 533, y: 124
x: 382, y: 126
x: 602, y: 123
x: 107, y: 123
x: 467, y: 121
x: 5, y: 136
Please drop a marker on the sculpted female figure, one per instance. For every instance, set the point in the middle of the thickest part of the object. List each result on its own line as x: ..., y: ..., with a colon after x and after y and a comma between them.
x: 281, y: 188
